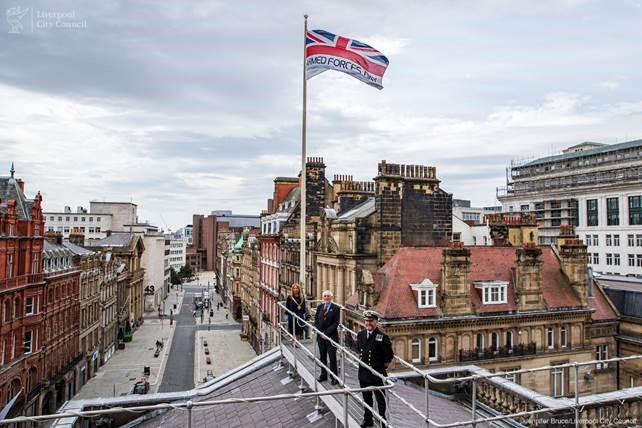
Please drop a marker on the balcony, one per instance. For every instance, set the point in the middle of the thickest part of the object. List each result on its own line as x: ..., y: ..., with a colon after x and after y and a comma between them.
x: 503, y: 352
x: 21, y: 280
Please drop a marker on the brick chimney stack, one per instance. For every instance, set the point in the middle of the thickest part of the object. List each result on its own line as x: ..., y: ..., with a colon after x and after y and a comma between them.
x: 21, y: 184
x: 77, y: 238
x: 315, y: 186
x: 528, y: 278
x: 413, y: 210
x: 53, y: 237
x: 455, y: 280
x: 350, y: 193
x: 574, y: 265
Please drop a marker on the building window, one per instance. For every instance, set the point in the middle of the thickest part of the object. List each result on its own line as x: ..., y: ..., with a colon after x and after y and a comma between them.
x: 631, y: 239
x: 427, y: 298
x: 616, y: 240
x: 91, y: 219
x: 66, y: 218
x: 98, y: 219
x: 509, y: 341
x: 494, y: 341
x: 415, y: 350
x: 612, y: 211
x: 601, y: 353
x: 609, y: 259
x: 7, y: 311
x: 82, y: 218
x: 27, y: 342
x: 480, y: 342
x: 638, y: 260
x: 494, y: 294
x: 616, y: 259
x: 557, y: 383
x: 631, y: 259
x: 591, y: 212
x: 563, y: 337
x: 588, y: 241
x: 75, y: 218
x: 29, y: 306
x: 35, y: 266
x: 550, y: 338
x: 609, y: 242
x: 524, y: 207
x: 98, y: 230
x: 638, y: 240
x: 596, y: 240
x: 596, y: 258
x: 511, y: 376
x: 91, y: 230
x: 65, y: 229
x: 51, y: 218
x: 59, y: 218
x: 635, y: 210
x: 456, y: 236
x: 432, y: 349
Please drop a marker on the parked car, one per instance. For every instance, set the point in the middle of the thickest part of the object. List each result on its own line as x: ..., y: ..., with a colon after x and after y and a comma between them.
x: 141, y: 386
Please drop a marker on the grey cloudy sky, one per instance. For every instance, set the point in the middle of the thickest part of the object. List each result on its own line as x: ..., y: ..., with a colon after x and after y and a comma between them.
x: 191, y: 106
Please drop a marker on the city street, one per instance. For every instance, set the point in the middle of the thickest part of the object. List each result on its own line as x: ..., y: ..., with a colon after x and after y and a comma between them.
x: 118, y: 375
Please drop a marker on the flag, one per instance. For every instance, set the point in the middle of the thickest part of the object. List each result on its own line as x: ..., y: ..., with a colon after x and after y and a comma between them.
x: 8, y: 406
x: 327, y: 51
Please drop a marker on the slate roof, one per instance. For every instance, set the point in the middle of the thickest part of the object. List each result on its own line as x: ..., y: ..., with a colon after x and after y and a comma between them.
x: 78, y: 250
x: 362, y: 210
x: 55, y: 249
x: 265, y: 381
x: 117, y: 239
x: 604, y: 149
x: 411, y: 265
x: 9, y: 190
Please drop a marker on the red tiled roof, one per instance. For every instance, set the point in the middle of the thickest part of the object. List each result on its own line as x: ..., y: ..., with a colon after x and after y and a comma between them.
x: 411, y: 265
x: 603, y: 311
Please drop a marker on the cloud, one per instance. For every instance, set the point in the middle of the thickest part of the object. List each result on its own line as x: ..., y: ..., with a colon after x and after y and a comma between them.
x: 187, y: 107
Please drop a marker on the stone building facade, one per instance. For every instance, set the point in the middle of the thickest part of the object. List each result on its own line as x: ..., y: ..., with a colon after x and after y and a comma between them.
x: 501, y: 308
x: 250, y: 291
x: 128, y: 249
x: 91, y: 278
x: 369, y: 221
x: 22, y: 286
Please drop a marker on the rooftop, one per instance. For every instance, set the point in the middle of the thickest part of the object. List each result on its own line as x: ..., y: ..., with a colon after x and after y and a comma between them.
x: 578, y: 154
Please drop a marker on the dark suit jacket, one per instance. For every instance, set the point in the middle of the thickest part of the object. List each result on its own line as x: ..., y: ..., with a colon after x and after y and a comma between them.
x: 375, y: 352
x: 328, y: 322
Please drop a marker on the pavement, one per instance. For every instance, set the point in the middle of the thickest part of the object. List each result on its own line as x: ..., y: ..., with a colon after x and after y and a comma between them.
x: 226, y: 349
x: 118, y: 375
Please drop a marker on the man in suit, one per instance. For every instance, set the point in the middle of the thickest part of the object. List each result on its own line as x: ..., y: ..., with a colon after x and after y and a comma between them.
x: 375, y: 350
x: 327, y: 321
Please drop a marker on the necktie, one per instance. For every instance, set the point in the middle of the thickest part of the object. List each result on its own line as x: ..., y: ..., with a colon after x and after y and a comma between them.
x: 368, y: 336
x: 327, y: 307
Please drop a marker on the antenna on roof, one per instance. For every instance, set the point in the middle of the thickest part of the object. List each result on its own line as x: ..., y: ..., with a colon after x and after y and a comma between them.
x: 12, y: 170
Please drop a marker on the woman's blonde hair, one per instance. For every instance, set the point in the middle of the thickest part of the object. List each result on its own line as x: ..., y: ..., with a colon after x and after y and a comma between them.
x: 297, y: 286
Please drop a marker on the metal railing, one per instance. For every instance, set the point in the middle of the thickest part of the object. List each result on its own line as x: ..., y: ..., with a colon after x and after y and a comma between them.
x: 474, y: 375
x: 344, y: 352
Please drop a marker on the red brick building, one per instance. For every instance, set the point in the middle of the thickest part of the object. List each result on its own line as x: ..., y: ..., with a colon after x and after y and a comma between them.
x: 62, y: 323
x: 21, y: 296
x: 280, y: 207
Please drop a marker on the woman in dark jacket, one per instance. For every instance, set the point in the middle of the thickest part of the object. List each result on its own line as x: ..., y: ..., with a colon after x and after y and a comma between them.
x: 296, y: 303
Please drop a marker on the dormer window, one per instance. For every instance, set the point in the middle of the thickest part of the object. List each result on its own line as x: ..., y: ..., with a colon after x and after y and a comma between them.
x: 426, y: 293
x: 493, y: 292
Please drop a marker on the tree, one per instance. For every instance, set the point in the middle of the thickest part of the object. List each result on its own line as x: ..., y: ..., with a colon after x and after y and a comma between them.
x: 174, y: 277
x: 185, y: 272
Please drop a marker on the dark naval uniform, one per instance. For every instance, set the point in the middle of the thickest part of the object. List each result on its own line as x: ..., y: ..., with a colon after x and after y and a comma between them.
x: 375, y: 351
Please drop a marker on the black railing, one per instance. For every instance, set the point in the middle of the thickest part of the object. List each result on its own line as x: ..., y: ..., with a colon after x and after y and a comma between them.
x: 502, y: 352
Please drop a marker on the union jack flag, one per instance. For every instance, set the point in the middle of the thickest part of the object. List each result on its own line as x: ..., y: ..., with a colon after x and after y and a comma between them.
x: 327, y: 51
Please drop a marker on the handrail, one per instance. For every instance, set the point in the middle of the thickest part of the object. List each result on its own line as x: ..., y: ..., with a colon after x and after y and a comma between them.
x: 387, y: 384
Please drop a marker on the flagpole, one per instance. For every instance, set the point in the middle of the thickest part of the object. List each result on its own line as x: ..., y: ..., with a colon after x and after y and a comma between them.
x: 302, y: 254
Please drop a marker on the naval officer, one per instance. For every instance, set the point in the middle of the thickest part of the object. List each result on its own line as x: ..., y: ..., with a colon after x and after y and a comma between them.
x: 375, y: 350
